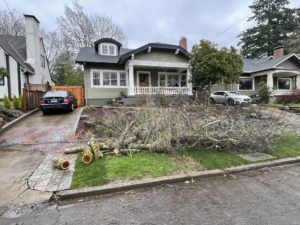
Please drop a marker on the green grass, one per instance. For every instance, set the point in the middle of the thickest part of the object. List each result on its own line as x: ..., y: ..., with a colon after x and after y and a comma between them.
x: 213, y: 159
x: 288, y: 146
x: 111, y: 168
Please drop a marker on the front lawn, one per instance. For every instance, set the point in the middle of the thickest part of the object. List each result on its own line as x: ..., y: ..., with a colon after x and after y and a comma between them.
x: 288, y: 146
x: 111, y: 168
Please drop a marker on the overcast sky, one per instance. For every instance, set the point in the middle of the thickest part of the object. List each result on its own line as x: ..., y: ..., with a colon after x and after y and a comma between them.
x: 145, y: 21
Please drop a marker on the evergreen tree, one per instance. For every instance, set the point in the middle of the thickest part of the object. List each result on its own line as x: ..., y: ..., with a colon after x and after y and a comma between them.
x: 210, y: 65
x: 275, y: 25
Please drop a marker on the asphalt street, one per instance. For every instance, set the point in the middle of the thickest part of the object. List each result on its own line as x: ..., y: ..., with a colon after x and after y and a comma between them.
x: 262, y: 197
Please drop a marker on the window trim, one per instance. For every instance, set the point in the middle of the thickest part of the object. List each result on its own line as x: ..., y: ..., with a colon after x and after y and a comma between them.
x: 172, y: 73
x: 253, y: 85
x: 100, y: 49
x: 101, y: 78
x: 284, y: 78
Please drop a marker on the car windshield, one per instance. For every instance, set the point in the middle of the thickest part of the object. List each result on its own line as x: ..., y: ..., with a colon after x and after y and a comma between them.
x: 56, y: 94
x: 233, y: 93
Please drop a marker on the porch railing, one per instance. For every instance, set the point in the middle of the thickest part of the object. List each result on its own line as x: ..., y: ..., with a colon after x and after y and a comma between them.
x: 160, y: 90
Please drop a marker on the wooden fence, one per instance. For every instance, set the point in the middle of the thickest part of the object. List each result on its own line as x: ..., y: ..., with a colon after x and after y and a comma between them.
x: 77, y: 91
x: 32, y: 94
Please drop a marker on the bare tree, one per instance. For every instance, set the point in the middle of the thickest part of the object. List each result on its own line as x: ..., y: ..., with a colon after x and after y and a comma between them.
x: 11, y: 23
x: 53, y: 46
x: 79, y: 29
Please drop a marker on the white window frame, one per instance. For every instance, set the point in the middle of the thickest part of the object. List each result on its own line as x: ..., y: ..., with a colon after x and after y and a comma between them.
x: 138, y: 76
x: 101, y: 78
x: 108, y: 45
x: 284, y: 78
x: 171, y: 73
x: 252, y: 89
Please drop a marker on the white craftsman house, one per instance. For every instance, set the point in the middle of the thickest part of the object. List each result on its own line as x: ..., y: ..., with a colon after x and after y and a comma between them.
x: 155, y: 68
x: 24, y: 59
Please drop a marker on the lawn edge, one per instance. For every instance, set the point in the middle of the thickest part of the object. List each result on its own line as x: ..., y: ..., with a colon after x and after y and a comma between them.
x: 113, y: 188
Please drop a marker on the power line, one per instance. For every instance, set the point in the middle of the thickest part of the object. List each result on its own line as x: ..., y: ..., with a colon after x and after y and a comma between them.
x: 231, y: 26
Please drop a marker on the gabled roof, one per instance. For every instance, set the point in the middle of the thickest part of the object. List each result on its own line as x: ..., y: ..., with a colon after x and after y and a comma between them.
x: 160, y: 46
x: 256, y: 65
x: 90, y: 55
x: 15, y: 46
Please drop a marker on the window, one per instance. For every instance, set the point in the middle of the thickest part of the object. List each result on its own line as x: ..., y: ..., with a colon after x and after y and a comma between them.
x: 96, y: 78
x: 2, y: 81
x: 42, y: 61
x: 246, y: 83
x: 172, y: 80
x: 105, y: 49
x: 108, y: 49
x: 162, y: 80
x: 112, y: 50
x: 123, y: 79
x: 110, y: 79
x: 284, y: 83
x: 183, y: 81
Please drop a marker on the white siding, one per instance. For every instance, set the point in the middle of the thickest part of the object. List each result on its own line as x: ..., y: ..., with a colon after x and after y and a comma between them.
x: 3, y: 88
x: 13, y: 65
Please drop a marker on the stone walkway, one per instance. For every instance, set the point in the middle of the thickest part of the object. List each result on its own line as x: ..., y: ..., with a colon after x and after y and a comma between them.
x: 47, y: 178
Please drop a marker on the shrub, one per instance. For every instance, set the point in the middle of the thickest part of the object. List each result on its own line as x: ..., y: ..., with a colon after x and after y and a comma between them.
x: 6, y: 102
x: 294, y: 97
x: 264, y: 92
x: 16, y: 102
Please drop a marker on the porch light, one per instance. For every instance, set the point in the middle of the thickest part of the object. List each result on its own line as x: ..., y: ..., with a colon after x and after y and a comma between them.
x: 149, y: 49
x: 132, y: 56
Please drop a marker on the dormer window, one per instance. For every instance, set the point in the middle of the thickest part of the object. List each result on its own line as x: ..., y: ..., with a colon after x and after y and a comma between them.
x: 108, y: 49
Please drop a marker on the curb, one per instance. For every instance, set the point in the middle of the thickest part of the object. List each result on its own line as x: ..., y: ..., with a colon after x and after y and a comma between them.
x: 113, y: 188
x: 18, y: 120
x: 77, y: 121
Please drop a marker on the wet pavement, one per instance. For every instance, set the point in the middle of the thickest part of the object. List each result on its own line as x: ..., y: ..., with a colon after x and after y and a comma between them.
x: 258, y: 197
x: 23, y: 149
x: 41, y: 129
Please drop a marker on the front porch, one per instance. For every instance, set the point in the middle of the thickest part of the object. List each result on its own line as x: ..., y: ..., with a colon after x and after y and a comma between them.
x: 155, y: 77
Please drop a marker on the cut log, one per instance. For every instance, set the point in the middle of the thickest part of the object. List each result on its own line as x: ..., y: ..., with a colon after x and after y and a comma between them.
x: 60, y: 164
x: 117, y: 152
x: 96, y: 149
x: 87, y: 156
x: 73, y: 150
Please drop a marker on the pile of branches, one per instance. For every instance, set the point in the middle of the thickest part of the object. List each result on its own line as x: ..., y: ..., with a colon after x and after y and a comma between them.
x: 173, y: 129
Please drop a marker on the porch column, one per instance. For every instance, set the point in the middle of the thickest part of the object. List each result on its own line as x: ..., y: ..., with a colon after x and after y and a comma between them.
x: 270, y: 81
x: 298, y: 82
x: 189, y: 82
x: 131, y: 81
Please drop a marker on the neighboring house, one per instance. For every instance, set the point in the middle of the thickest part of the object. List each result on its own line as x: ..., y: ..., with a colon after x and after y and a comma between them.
x: 155, y: 68
x: 281, y: 73
x: 24, y: 58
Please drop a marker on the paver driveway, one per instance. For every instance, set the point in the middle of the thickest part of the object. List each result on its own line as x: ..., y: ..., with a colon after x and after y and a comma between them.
x: 41, y: 129
x: 23, y: 149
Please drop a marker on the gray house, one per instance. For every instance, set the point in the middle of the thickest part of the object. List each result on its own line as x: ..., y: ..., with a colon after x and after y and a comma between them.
x: 112, y: 71
x: 24, y: 58
x: 281, y: 73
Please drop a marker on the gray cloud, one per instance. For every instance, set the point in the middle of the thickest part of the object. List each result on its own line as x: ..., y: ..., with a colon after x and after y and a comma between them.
x: 146, y: 21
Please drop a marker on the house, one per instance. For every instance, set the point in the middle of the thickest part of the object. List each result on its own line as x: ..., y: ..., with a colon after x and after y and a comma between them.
x: 24, y: 59
x: 112, y: 71
x: 280, y: 72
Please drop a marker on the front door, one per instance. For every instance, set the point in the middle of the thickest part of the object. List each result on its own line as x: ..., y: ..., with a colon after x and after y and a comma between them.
x: 144, y: 79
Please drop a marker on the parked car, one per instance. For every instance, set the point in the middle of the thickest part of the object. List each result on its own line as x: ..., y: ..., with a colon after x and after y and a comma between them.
x: 229, y: 97
x: 54, y: 100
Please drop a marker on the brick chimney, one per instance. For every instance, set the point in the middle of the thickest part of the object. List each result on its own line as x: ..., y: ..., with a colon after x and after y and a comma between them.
x: 278, y: 52
x: 183, y: 43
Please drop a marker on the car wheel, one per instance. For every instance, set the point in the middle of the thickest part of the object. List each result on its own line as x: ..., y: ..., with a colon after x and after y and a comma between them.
x: 72, y: 107
x: 212, y: 101
x: 230, y: 101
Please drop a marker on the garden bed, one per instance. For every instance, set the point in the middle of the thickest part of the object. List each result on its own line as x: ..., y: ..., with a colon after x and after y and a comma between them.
x: 8, y: 115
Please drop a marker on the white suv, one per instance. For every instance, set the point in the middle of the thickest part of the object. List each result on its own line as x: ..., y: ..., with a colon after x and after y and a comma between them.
x: 229, y: 97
